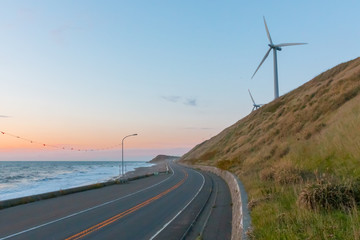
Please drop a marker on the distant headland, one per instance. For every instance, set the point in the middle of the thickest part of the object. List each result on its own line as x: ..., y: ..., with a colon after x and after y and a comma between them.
x: 160, y: 158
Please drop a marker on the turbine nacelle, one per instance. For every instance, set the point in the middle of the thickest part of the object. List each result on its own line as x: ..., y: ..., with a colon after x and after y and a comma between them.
x: 275, y: 47
x: 256, y: 106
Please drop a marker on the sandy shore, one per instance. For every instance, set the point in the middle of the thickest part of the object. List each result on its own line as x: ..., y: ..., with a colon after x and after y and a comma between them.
x: 158, y: 167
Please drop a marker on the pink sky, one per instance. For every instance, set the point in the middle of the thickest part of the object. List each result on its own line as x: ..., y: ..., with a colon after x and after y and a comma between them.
x: 92, y: 147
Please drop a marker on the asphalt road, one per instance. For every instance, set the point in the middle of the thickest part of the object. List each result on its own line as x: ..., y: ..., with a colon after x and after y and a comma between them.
x: 158, y: 207
x: 214, y: 222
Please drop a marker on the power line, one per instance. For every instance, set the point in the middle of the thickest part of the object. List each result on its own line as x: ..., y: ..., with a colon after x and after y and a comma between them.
x: 67, y: 148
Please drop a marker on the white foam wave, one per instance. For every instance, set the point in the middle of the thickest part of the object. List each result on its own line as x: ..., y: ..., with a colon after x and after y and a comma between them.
x: 21, y: 179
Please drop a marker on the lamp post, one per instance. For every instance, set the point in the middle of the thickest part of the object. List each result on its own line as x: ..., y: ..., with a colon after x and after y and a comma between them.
x: 122, y: 153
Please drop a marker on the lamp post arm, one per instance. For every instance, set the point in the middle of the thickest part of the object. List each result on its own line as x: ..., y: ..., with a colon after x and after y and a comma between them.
x: 122, y: 153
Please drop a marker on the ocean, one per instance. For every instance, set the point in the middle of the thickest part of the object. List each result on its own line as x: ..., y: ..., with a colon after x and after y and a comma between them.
x: 19, y: 179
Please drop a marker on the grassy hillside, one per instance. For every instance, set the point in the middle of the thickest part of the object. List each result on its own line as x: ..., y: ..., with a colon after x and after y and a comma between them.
x: 160, y: 158
x: 299, y: 159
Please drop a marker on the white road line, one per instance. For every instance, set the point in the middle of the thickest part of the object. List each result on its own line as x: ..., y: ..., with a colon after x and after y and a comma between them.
x: 158, y: 232
x: 86, y: 210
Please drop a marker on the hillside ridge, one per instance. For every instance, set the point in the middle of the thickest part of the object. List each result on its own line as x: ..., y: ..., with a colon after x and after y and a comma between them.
x: 301, y: 113
x: 161, y: 157
x: 299, y: 159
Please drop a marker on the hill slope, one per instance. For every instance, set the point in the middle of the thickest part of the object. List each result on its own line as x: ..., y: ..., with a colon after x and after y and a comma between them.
x: 301, y: 138
x: 161, y: 158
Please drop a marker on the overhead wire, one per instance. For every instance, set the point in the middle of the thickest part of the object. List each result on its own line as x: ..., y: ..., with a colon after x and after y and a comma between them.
x: 67, y: 148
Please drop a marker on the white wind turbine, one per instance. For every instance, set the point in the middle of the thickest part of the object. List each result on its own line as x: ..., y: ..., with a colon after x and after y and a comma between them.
x: 255, y: 106
x: 274, y: 47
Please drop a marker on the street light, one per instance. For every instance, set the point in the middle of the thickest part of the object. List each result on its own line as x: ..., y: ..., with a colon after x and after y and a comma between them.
x: 122, y: 153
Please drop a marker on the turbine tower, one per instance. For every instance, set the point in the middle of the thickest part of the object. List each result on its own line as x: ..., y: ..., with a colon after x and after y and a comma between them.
x: 274, y: 47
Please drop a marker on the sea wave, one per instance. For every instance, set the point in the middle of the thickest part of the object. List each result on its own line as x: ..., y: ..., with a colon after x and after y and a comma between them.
x: 27, y: 178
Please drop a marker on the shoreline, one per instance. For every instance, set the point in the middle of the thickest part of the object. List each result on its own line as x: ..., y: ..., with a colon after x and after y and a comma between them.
x: 157, y: 167
x: 137, y: 173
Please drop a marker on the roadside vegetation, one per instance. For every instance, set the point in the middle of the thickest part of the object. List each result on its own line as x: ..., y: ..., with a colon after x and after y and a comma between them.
x: 299, y: 159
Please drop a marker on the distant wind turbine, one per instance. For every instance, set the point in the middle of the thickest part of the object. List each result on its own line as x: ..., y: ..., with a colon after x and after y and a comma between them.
x: 256, y: 106
x: 274, y: 47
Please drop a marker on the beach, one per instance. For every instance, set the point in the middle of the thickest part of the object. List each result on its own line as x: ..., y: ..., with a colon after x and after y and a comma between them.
x: 157, y: 167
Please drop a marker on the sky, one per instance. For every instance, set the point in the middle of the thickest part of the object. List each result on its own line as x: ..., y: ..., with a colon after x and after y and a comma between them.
x: 84, y: 74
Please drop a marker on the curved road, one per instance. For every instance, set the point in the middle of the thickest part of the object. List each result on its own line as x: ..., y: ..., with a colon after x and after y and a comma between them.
x: 159, y: 207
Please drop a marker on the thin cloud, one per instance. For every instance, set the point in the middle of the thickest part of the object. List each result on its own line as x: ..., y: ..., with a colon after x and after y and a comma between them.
x: 173, y: 99
x: 4, y: 116
x: 178, y: 99
x: 191, y: 102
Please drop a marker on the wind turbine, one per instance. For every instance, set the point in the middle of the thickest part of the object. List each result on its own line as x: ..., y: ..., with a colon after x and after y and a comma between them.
x: 274, y: 47
x: 256, y: 106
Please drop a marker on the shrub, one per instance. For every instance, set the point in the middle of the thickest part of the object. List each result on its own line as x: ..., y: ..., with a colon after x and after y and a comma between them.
x: 267, y: 174
x: 329, y: 195
x: 224, y: 164
x: 286, y: 173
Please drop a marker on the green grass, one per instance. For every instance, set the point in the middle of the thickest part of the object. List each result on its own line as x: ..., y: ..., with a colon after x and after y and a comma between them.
x: 308, y: 134
x: 334, y: 153
x: 279, y: 217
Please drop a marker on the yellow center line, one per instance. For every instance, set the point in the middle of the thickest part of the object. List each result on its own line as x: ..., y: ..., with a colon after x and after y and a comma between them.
x: 125, y: 213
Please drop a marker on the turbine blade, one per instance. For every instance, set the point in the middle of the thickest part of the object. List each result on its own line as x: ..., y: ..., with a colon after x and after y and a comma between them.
x: 267, y: 32
x: 267, y: 54
x: 288, y: 44
x: 251, y: 97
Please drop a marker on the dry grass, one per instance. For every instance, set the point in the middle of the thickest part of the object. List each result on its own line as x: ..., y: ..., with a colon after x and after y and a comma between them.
x: 270, y: 133
x: 329, y: 195
x: 314, y: 128
x: 267, y: 174
x: 287, y: 173
x: 283, y: 172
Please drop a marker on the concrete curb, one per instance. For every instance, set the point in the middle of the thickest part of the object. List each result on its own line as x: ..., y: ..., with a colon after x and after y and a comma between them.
x: 241, y: 221
x: 43, y: 196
